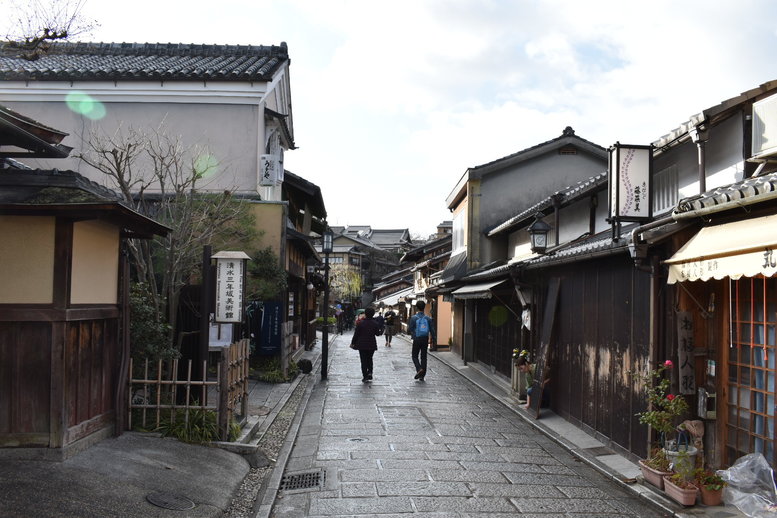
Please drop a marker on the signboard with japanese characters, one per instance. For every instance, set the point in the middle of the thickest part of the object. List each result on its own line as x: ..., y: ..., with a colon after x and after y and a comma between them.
x: 270, y: 169
x: 229, y: 290
x: 685, y: 356
x: 630, y: 182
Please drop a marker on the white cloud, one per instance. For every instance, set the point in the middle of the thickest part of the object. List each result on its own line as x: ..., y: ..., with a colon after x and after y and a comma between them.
x: 394, y: 100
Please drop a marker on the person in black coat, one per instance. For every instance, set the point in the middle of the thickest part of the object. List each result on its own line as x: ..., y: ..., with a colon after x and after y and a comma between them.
x: 364, y: 341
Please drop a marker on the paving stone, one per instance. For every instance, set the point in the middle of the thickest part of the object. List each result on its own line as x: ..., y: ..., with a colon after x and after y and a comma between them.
x: 354, y: 506
x: 467, y: 476
x: 412, y: 464
x: 457, y: 455
x: 425, y: 488
x: 546, y: 479
x: 503, y: 466
x: 560, y: 505
x: 464, y: 505
x: 482, y: 489
x: 395, y: 455
x: 382, y: 475
x: 358, y: 489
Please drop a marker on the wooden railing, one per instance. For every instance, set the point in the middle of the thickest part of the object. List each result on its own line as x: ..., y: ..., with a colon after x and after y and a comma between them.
x: 160, y: 391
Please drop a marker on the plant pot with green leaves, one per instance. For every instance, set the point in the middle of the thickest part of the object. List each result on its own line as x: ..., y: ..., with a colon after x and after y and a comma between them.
x: 664, y: 408
x: 710, y: 486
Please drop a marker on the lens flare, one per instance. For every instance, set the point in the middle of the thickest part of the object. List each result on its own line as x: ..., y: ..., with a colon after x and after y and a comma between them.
x: 86, y: 105
x: 206, y: 166
x: 497, y: 316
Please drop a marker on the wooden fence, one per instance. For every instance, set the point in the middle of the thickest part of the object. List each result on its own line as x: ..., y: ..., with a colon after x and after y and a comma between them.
x: 174, y: 389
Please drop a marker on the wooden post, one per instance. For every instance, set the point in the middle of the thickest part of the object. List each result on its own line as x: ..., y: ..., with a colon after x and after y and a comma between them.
x: 223, y: 369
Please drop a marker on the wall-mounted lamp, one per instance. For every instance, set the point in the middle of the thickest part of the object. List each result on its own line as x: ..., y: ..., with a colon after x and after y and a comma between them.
x: 310, y: 286
x: 538, y: 232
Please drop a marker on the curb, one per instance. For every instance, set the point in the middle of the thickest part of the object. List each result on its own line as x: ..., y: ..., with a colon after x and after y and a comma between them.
x: 266, y: 498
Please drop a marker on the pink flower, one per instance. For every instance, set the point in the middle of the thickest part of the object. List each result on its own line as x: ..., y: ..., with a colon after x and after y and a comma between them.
x: 670, y: 397
x: 668, y: 364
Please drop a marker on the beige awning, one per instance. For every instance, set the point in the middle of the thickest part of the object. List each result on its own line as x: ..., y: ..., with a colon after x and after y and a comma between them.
x: 476, y: 291
x: 742, y: 248
x: 393, y: 299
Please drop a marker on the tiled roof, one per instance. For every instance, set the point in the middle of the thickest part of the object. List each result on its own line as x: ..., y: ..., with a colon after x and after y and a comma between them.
x: 749, y: 190
x: 144, y: 61
x: 595, y: 246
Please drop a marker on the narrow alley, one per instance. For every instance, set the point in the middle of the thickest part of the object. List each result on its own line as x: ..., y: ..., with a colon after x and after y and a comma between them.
x: 439, y: 447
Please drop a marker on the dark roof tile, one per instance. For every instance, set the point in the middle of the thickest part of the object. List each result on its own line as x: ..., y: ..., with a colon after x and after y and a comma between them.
x: 144, y: 61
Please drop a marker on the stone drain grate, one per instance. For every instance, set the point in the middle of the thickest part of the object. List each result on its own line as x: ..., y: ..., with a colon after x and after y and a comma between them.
x: 303, y: 481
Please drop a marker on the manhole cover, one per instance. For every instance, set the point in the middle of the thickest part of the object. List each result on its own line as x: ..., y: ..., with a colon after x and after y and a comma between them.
x: 307, y: 480
x: 168, y: 501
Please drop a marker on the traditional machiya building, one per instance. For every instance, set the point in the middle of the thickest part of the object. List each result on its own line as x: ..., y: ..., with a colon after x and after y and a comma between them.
x: 668, y: 259
x: 229, y: 106
x: 483, y: 198
x: 64, y: 291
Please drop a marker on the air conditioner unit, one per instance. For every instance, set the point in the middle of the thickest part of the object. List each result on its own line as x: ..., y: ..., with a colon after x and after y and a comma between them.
x: 765, y: 128
x: 270, y: 170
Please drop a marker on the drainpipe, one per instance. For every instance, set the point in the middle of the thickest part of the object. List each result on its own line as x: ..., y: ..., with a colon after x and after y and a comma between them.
x: 556, y: 206
x: 699, y: 135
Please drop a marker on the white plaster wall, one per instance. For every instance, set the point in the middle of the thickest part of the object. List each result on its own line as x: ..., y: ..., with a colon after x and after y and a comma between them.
x: 724, y: 158
x: 230, y: 133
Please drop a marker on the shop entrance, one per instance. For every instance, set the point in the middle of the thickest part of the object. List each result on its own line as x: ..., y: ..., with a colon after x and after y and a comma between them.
x: 751, y: 369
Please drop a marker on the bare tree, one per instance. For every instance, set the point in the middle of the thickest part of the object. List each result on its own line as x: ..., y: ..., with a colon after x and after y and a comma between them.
x: 34, y: 24
x: 158, y: 176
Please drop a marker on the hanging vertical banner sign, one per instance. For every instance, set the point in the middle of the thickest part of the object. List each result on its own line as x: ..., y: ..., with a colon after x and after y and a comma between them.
x: 685, y: 357
x: 272, y: 324
x: 270, y: 170
x: 630, y: 183
x: 229, y: 290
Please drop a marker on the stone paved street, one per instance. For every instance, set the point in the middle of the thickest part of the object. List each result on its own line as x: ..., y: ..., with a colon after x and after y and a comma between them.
x: 439, y: 447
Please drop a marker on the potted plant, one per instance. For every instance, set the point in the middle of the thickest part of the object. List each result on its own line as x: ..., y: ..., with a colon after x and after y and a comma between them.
x: 663, y: 409
x: 680, y: 489
x: 655, y: 467
x: 711, y: 486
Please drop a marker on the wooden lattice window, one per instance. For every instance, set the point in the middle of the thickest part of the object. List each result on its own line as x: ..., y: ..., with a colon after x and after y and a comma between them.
x: 751, y: 369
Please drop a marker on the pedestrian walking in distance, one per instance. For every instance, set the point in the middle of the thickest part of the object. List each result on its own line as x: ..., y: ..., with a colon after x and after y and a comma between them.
x: 421, y: 329
x: 389, y: 318
x: 364, y: 341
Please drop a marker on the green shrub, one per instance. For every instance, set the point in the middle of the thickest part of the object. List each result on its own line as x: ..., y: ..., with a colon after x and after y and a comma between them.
x: 268, y: 369
x: 199, y: 428
x: 149, y: 338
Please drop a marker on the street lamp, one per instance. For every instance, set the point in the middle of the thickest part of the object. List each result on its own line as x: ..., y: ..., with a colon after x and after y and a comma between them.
x: 538, y: 232
x: 326, y: 248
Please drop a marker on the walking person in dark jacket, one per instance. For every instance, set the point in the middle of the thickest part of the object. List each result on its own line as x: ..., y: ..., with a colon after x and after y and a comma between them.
x: 421, y: 329
x: 364, y: 341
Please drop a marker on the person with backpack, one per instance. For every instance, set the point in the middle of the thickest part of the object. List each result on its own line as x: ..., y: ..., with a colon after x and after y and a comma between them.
x: 389, y: 318
x: 421, y: 329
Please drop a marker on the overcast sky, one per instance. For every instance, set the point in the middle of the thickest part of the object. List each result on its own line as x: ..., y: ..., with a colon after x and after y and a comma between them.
x: 394, y: 100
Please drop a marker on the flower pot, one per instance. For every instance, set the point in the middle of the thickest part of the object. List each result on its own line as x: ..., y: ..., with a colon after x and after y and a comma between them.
x: 653, y: 476
x: 681, y: 495
x: 684, y: 460
x: 711, y: 496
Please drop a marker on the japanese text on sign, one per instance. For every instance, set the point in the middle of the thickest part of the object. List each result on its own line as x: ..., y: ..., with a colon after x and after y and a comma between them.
x: 229, y: 290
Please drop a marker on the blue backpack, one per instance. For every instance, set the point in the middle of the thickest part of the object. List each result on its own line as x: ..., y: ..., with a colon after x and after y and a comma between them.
x: 422, y: 326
